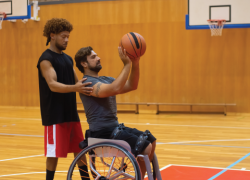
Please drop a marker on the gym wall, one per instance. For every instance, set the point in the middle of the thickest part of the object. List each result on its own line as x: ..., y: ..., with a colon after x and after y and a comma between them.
x: 179, y: 66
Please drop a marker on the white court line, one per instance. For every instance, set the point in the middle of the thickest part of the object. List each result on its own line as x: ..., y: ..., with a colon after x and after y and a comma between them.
x: 195, y: 126
x: 207, y: 167
x: 174, y: 125
x: 22, y: 157
x: 165, y: 167
x: 29, y: 173
x: 21, y: 118
x: 159, y: 143
x: 5, y: 134
x: 222, y: 140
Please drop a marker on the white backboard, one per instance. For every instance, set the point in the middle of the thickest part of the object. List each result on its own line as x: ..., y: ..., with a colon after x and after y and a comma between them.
x: 16, y: 9
x: 235, y: 12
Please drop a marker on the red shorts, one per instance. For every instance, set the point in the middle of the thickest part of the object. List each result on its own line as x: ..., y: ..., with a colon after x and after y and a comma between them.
x: 61, y: 139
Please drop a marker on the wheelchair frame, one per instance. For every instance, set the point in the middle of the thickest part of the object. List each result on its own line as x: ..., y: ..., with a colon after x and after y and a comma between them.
x: 119, y: 145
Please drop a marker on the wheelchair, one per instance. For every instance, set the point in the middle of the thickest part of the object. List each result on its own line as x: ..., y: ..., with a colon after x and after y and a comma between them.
x: 109, y: 159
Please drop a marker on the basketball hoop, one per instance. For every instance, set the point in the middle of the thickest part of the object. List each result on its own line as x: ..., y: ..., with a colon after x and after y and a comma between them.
x: 216, y: 26
x: 2, y: 16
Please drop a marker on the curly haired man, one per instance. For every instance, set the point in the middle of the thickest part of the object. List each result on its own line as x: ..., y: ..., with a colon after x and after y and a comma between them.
x: 58, y: 85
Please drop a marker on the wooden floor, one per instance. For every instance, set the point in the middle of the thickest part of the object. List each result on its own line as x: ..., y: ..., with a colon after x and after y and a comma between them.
x: 211, y: 140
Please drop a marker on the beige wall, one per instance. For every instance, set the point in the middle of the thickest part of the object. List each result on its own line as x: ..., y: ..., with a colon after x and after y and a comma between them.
x: 179, y: 66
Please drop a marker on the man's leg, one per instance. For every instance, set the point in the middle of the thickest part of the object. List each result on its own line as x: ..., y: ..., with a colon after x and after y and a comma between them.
x: 140, y: 160
x: 51, y: 164
x: 152, y: 151
x: 149, y: 150
x: 83, y: 168
x: 50, y: 151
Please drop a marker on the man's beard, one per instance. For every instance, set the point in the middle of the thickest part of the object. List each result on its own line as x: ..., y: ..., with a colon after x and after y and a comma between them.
x: 58, y: 46
x: 97, y: 68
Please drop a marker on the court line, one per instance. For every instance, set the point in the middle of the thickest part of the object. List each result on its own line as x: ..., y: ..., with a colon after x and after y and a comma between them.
x: 227, y: 168
x: 43, y: 172
x: 174, y: 125
x: 28, y: 173
x: 159, y: 143
x: 5, y: 134
x: 207, y: 167
x: 195, y: 126
x: 210, y: 145
x: 21, y: 118
x: 22, y: 157
x: 165, y: 167
x: 213, y: 140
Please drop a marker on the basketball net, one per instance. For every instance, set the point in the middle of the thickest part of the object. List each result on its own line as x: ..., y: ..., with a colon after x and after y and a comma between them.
x: 216, y: 26
x: 2, y: 16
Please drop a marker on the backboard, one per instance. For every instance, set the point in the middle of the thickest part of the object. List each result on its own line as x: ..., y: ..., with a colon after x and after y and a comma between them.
x: 235, y: 12
x: 16, y: 9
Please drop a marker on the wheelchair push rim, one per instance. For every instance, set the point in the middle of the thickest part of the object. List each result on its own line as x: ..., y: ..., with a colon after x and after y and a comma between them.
x: 106, y: 161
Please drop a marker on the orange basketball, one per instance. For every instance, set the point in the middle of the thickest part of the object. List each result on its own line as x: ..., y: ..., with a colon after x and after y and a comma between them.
x: 134, y: 44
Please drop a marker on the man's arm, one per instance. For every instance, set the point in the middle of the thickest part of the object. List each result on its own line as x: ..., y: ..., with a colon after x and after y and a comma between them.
x: 102, y: 90
x: 50, y: 76
x: 76, y: 78
x: 133, y: 80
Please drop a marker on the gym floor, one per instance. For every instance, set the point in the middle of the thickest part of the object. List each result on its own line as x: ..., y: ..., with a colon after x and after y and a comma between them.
x: 189, y: 146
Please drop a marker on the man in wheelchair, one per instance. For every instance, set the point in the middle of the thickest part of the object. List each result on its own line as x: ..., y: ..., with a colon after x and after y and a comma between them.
x: 100, y: 106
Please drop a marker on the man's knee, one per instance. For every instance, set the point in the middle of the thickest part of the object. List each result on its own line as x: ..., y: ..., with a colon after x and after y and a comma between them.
x: 51, y: 163
x: 147, y: 150
x: 52, y: 159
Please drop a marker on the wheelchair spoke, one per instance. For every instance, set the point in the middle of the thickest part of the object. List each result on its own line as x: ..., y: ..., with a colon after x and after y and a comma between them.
x: 106, y: 161
x: 121, y: 173
x: 122, y: 162
x: 111, y: 167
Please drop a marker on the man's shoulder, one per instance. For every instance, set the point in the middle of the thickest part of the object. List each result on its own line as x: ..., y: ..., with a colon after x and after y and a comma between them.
x: 107, y: 78
x: 91, y: 79
x: 68, y: 56
x: 46, y: 55
x: 102, y: 79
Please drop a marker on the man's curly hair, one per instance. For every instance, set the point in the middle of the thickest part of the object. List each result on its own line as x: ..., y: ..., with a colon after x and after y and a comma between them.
x: 56, y: 25
x: 81, y: 56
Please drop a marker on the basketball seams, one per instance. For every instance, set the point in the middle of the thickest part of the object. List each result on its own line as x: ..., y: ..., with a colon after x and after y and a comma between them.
x: 130, y: 55
x: 126, y: 51
x: 135, y: 39
x: 141, y: 44
x: 122, y: 45
x: 132, y: 44
x: 135, y: 43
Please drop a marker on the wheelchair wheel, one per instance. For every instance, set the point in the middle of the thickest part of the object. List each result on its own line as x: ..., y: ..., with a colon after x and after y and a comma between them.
x: 106, y: 161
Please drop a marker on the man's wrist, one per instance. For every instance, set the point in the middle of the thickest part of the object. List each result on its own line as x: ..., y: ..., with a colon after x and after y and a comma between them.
x: 128, y: 64
x: 72, y: 88
x: 135, y: 63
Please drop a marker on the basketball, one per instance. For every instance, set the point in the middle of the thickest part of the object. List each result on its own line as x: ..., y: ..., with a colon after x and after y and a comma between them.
x: 134, y: 44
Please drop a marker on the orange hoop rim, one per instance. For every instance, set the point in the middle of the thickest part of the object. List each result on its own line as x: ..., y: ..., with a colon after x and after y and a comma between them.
x: 216, y: 20
x: 219, y: 22
x: 4, y: 14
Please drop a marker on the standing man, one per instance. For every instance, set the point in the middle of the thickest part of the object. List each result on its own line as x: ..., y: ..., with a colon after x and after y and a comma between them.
x: 100, y: 107
x: 57, y: 85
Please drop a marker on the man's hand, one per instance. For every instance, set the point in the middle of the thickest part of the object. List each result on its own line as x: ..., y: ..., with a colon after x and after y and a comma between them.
x: 81, y: 87
x: 125, y: 59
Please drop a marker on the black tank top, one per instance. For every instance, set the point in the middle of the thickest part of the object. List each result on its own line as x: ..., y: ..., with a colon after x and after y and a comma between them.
x: 57, y: 107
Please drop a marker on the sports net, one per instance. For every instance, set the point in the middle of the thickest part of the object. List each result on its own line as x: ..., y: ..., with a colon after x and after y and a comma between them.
x: 216, y: 26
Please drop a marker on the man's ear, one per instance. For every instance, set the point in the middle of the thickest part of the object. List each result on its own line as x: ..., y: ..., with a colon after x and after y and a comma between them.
x: 84, y: 64
x: 52, y: 35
